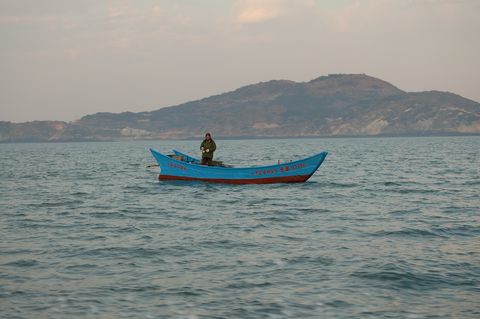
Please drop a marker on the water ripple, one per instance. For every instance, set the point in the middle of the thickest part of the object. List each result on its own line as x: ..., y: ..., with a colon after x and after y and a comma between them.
x: 387, y: 228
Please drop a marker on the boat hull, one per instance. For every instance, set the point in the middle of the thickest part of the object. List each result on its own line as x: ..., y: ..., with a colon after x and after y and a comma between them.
x: 270, y: 180
x: 293, y: 172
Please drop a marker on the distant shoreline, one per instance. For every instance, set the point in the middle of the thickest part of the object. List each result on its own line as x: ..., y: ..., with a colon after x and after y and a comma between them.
x: 233, y: 138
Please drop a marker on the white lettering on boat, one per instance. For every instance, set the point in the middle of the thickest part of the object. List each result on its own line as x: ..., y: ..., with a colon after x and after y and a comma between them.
x: 282, y: 169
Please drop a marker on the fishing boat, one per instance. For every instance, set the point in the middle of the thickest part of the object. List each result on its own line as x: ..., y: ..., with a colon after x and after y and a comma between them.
x: 183, y: 167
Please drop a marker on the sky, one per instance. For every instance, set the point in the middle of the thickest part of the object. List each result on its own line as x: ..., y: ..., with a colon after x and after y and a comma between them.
x: 63, y: 59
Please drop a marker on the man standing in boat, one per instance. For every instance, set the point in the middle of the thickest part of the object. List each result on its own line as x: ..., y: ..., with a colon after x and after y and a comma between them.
x: 208, y: 147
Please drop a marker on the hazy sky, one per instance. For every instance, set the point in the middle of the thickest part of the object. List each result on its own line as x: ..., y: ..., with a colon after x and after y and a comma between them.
x: 62, y: 59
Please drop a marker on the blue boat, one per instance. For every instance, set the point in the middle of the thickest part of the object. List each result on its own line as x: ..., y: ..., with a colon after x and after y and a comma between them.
x: 187, y: 168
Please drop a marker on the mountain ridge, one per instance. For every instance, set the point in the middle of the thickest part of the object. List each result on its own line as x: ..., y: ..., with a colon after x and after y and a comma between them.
x: 332, y: 105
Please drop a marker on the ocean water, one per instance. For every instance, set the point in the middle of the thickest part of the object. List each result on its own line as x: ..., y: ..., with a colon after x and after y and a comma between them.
x: 386, y: 228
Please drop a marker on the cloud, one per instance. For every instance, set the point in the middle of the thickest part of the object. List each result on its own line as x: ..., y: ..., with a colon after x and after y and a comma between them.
x: 367, y: 15
x: 72, y: 54
x: 250, y: 11
x: 31, y: 19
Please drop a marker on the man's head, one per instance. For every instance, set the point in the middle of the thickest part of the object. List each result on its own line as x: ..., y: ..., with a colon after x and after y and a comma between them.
x: 208, y: 136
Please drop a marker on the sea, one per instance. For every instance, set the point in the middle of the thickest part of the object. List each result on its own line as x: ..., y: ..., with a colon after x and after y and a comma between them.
x: 386, y: 228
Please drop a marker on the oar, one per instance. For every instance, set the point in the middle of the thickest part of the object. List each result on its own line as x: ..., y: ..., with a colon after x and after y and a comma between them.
x: 152, y: 165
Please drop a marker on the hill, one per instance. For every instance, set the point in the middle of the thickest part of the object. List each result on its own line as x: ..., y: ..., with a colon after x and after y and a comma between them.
x: 333, y: 105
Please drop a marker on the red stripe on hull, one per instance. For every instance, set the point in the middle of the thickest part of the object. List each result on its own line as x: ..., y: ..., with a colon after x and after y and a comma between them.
x: 271, y: 180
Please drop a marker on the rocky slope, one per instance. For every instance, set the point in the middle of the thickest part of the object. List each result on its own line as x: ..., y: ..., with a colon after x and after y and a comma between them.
x: 334, y: 105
